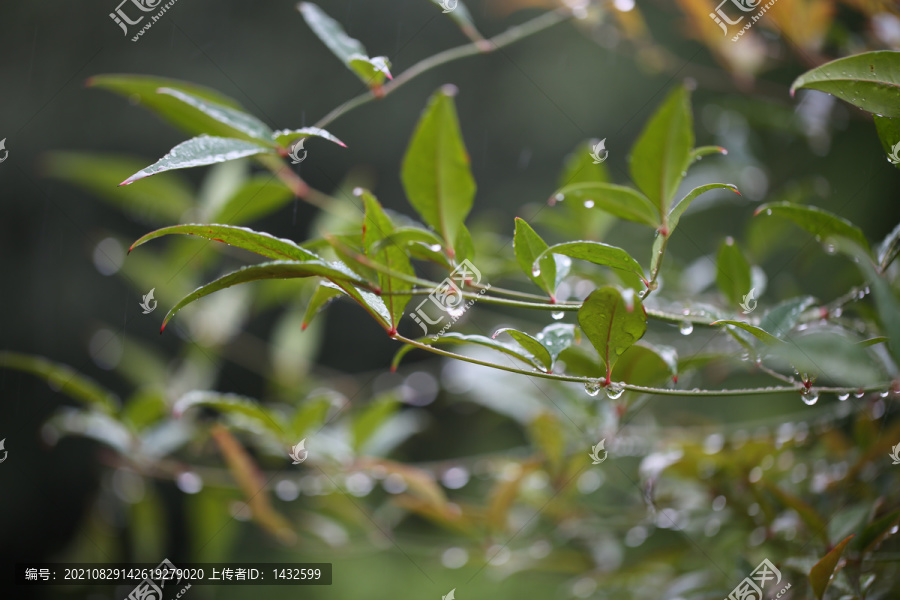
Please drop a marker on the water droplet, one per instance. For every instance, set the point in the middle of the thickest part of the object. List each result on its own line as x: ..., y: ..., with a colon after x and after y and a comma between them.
x: 536, y: 271
x: 830, y: 249
x: 435, y: 247
x: 686, y: 328
x: 189, y: 482
x: 859, y: 394
x: 557, y: 314
x: 589, y: 204
x: 593, y: 387
x: 884, y: 394
x: 810, y: 397
x: 614, y: 391
x: 559, y: 197
x: 768, y: 212
x: 843, y: 397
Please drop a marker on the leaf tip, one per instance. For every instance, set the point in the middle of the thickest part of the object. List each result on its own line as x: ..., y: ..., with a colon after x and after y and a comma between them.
x: 449, y: 90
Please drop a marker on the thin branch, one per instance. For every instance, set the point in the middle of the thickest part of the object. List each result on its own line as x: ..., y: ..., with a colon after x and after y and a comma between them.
x: 510, y: 36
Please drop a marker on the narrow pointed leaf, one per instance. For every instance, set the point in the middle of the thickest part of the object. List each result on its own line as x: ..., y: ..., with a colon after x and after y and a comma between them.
x: 612, y: 323
x: 889, y: 134
x: 377, y: 227
x: 459, y: 338
x: 258, y: 242
x: 231, y: 121
x: 885, y: 300
x: 530, y: 344
x: 732, y: 272
x: 663, y: 150
x: 889, y: 249
x: 63, y: 378
x: 817, y: 221
x: 597, y: 253
x: 702, y: 151
x: 461, y: 15
x: 831, y: 358
x: 436, y: 173
x: 232, y: 404
x: 528, y: 245
x: 782, y: 318
x: 281, y: 269
x: 253, y: 485
x: 876, y: 532
x: 760, y: 334
x: 324, y: 294
x: 556, y: 337
x: 200, y: 151
x: 617, y: 200
x: 821, y: 573
x: 372, y: 71
x: 870, y: 80
x: 286, y: 137
x: 678, y: 210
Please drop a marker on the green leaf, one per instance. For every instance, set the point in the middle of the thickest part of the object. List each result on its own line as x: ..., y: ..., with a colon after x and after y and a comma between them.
x: 159, y: 200
x: 200, y: 151
x: 889, y: 249
x: 885, y: 301
x: 764, y: 336
x: 617, y: 200
x: 230, y: 121
x: 597, y: 253
x: 662, y: 153
x: 141, y: 89
x: 647, y: 365
x: 702, y: 151
x: 373, y: 417
x: 286, y: 137
x: 821, y: 573
x: 782, y: 318
x: 258, y: 242
x: 324, y: 294
x: 876, y: 532
x: 377, y: 227
x: 612, y: 322
x: 372, y: 71
x: 833, y: 357
x: 817, y: 221
x: 459, y: 338
x: 64, y: 379
x: 280, y: 269
x: 732, y: 272
x: 889, y: 134
x: 556, y: 337
x: 530, y: 344
x: 436, y: 173
x: 678, y: 210
x: 528, y: 245
x: 461, y: 15
x: 870, y: 80
x: 232, y: 404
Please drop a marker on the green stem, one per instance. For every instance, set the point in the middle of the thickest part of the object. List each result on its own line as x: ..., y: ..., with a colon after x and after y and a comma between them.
x: 510, y: 36
x: 640, y: 388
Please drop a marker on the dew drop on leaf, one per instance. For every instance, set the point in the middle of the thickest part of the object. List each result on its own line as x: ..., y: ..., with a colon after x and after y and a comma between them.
x: 859, y: 394
x: 686, y: 328
x: 810, y: 397
x: 614, y: 391
x: 435, y: 247
x: 557, y: 315
x: 536, y: 271
x: 589, y: 204
x: 884, y: 394
x: 843, y: 397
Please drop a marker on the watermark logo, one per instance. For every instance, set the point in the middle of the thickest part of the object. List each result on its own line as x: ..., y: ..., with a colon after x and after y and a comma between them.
x: 596, y: 450
x: 294, y: 154
x: 151, y: 588
x: 746, y: 6
x: 449, y: 6
x: 749, y: 302
x: 6, y: 152
x: 146, y: 303
x: 895, y: 454
x: 299, y: 453
x: 2, y: 447
x: 751, y: 588
x: 448, y: 297
x: 452, y: 593
x: 123, y: 20
x: 600, y: 153
x: 894, y: 156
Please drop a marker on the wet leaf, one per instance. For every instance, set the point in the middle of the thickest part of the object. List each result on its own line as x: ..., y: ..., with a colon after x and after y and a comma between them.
x: 436, y: 173
x: 232, y: 123
x: 530, y: 344
x: 885, y: 300
x: 820, y: 575
x: 556, y: 337
x: 253, y: 484
x: 63, y: 378
x: 376, y: 227
x: 876, y: 532
x: 732, y: 272
x: 232, y: 404
x: 870, y: 80
x: 612, y: 323
x: 371, y: 71
x: 889, y: 249
x: 817, y: 221
x: 662, y: 153
x: 597, y: 253
x: 198, y: 152
x: 286, y: 137
x: 646, y: 364
x: 324, y: 294
x: 257, y: 242
x: 528, y: 245
x: 682, y: 206
x: 831, y: 357
x: 782, y: 318
x: 617, y: 200
x: 459, y: 338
